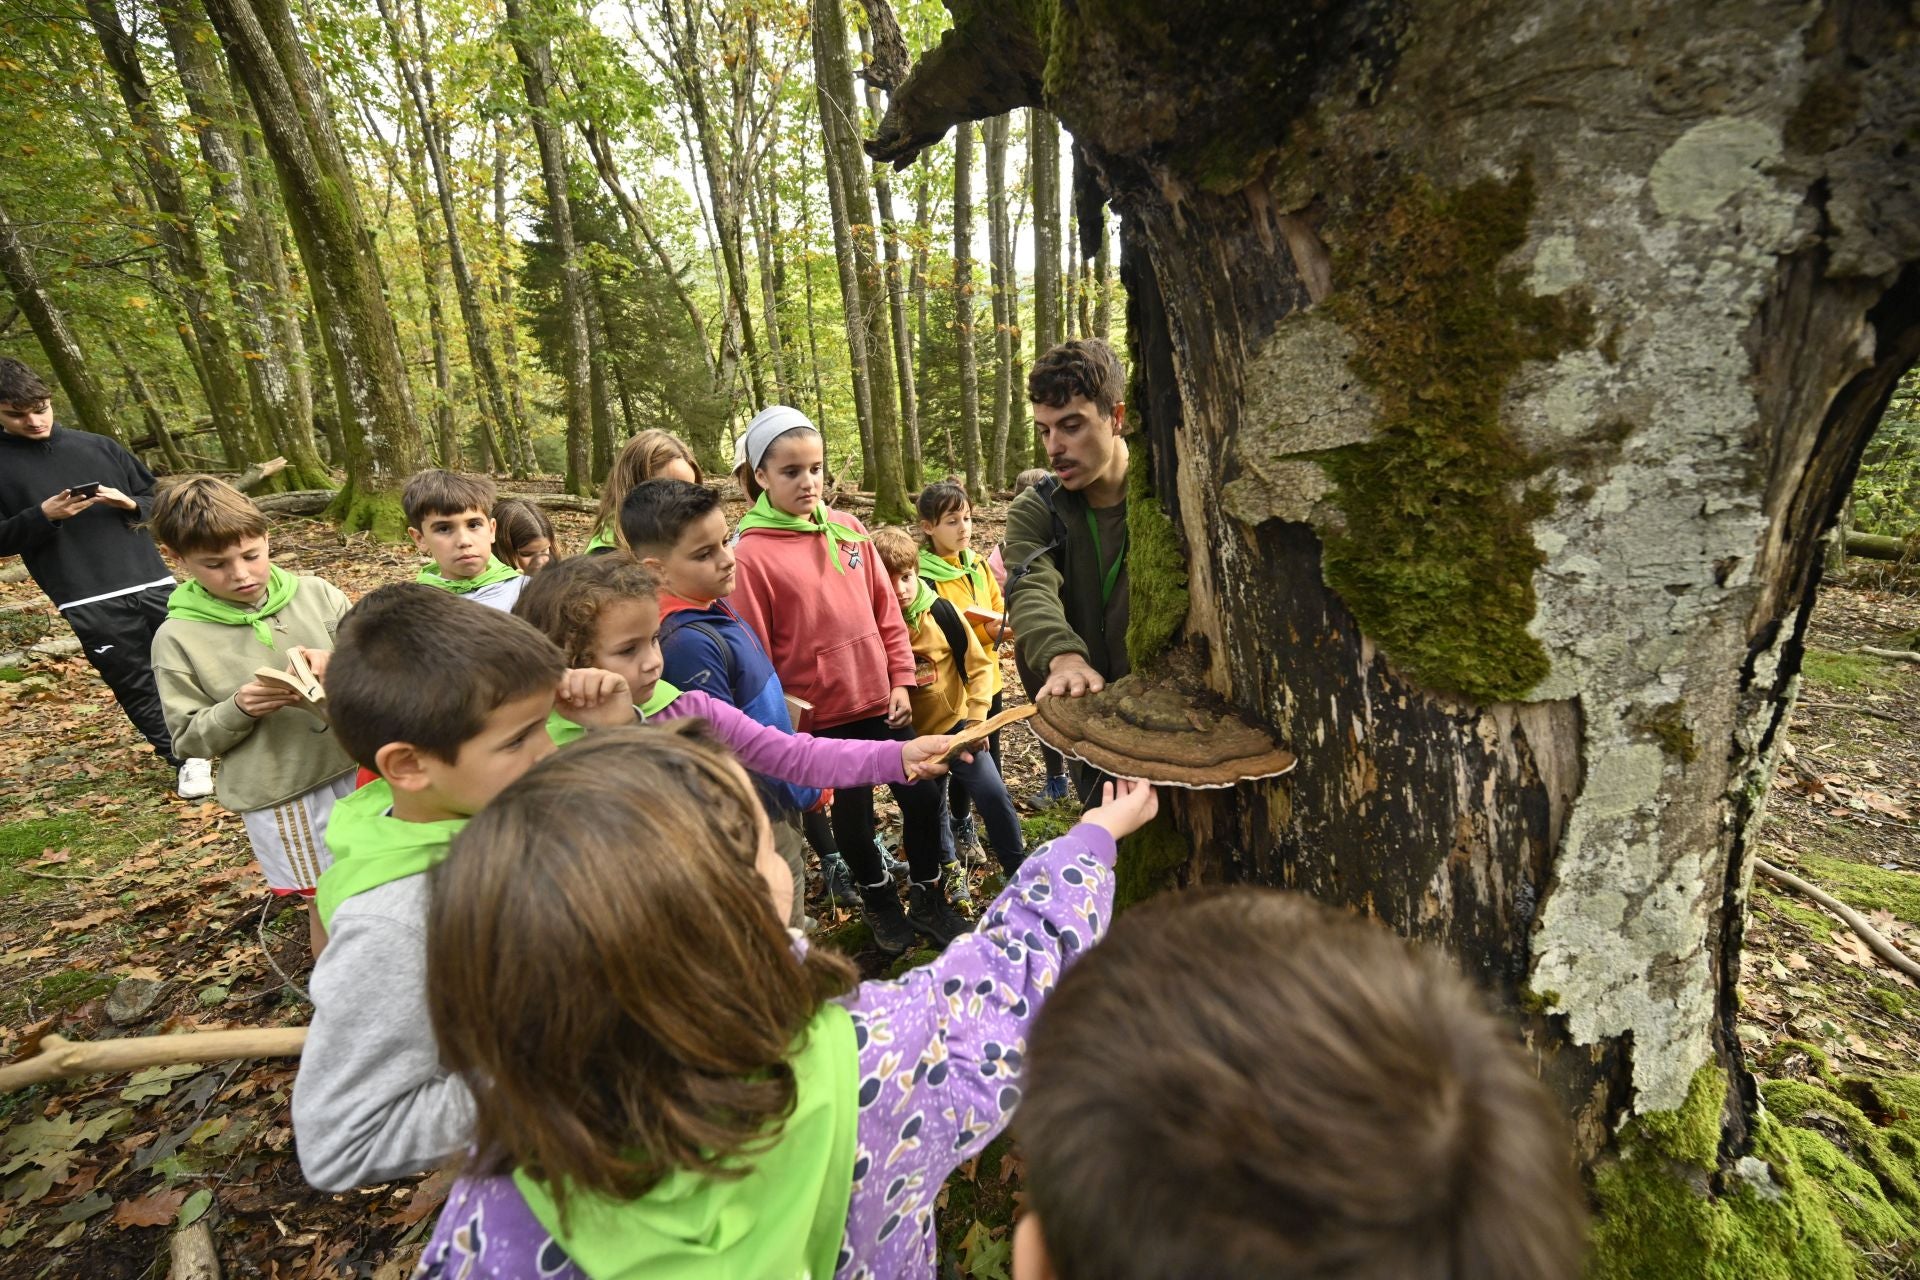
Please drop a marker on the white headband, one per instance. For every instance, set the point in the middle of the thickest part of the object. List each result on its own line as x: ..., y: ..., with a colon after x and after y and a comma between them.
x: 769, y: 425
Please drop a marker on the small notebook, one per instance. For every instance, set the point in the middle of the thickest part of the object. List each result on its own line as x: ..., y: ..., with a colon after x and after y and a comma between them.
x: 800, y: 711
x: 298, y: 677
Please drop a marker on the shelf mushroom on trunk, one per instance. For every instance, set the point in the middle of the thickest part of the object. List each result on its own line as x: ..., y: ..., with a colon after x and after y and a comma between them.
x: 1164, y: 729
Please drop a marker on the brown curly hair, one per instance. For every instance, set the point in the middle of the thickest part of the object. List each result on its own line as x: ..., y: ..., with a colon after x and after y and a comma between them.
x: 564, y: 601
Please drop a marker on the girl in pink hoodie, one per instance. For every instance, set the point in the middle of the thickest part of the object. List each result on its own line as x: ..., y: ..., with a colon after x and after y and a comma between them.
x: 812, y: 588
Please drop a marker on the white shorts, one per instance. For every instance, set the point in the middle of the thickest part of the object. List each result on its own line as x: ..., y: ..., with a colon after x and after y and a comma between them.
x: 290, y: 839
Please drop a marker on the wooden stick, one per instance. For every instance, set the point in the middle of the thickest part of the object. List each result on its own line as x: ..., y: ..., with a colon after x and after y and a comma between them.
x: 1897, y: 655
x: 987, y: 728
x: 60, y: 1057
x: 1874, y: 939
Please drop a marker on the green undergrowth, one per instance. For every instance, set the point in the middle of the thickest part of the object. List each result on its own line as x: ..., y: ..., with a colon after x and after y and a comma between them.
x: 90, y: 840
x: 1156, y: 569
x: 1849, y: 672
x: 1050, y: 823
x: 1436, y: 557
x: 1828, y: 1192
x: 1863, y: 886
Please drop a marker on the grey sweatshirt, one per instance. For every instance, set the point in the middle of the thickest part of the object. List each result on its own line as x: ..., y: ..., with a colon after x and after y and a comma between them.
x: 371, y: 1102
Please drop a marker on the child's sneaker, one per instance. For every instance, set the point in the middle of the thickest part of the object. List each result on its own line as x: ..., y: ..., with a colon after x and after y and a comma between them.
x: 959, y: 893
x: 932, y: 915
x: 195, y: 781
x: 1053, y: 793
x: 966, y: 845
x: 839, y: 882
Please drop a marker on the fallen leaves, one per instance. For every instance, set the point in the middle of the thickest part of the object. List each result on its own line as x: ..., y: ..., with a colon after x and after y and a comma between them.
x: 154, y: 1210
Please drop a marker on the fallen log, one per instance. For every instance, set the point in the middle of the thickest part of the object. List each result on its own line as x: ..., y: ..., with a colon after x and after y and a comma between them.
x: 1894, y: 655
x: 60, y: 1057
x: 1875, y: 547
x: 311, y: 502
x: 258, y: 474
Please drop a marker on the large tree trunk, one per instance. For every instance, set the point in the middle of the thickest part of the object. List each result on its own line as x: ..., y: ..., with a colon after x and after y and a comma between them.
x: 889, y: 230
x: 229, y: 398
x: 839, y: 116
x: 516, y: 444
x: 369, y: 376
x: 243, y: 237
x: 1005, y: 319
x: 1497, y: 396
x: 963, y: 309
x: 1043, y: 154
x: 49, y: 325
x: 537, y: 73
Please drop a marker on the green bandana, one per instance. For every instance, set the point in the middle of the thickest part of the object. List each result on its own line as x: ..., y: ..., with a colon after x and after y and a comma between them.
x: 766, y: 516
x: 371, y: 847
x: 921, y: 603
x: 563, y: 730
x: 938, y: 569
x: 602, y: 538
x: 494, y: 572
x: 784, y: 1216
x: 192, y: 601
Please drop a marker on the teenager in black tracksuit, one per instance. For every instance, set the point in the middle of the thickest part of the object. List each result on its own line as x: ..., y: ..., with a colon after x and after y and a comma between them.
x: 102, y: 572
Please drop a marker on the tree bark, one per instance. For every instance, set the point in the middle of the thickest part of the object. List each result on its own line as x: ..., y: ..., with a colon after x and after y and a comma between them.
x: 1043, y: 150
x: 378, y: 431
x: 516, y: 444
x: 49, y: 325
x: 853, y: 311
x: 1497, y: 397
x: 228, y: 396
x: 963, y: 309
x: 156, y: 420
x: 537, y: 74
x: 243, y: 236
x: 896, y: 305
x: 1000, y: 264
x: 840, y: 123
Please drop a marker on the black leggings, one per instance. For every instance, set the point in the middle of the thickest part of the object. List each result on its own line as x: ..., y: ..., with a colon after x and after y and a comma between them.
x: 116, y: 635
x: 959, y: 803
x: 921, y: 813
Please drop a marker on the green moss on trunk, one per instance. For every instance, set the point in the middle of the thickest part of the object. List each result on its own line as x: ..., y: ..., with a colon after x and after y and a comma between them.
x: 355, y: 510
x: 1837, y: 1196
x: 1156, y: 569
x: 1148, y: 863
x: 1436, y: 557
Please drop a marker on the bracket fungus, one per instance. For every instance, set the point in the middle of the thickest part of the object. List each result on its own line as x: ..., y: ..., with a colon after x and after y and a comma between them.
x: 1163, y: 730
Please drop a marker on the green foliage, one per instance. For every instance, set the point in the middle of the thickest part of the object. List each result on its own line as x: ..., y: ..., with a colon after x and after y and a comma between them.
x: 1437, y: 558
x: 1886, y: 492
x: 1156, y: 568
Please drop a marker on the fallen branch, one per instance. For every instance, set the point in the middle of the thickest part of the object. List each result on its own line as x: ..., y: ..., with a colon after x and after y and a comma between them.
x: 60, y: 1057
x: 311, y: 502
x: 1858, y: 710
x: 259, y: 473
x: 191, y: 1255
x: 1874, y: 939
x: 1894, y: 655
x: 1875, y: 547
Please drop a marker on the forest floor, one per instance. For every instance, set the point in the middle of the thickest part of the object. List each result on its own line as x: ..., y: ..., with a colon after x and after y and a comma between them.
x: 114, y: 894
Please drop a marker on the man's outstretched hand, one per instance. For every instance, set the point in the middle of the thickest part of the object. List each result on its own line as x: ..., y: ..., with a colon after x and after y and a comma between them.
x: 1070, y: 676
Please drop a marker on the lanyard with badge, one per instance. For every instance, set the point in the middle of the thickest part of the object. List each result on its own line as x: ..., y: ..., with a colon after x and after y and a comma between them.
x: 1119, y: 561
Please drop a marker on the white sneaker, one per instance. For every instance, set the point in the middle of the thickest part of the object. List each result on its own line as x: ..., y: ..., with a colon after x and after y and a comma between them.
x: 195, y: 781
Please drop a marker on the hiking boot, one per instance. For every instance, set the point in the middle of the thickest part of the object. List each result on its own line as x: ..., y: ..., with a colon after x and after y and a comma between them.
x: 1056, y: 790
x: 966, y: 851
x: 880, y: 906
x: 839, y: 883
x: 895, y: 868
x: 932, y: 915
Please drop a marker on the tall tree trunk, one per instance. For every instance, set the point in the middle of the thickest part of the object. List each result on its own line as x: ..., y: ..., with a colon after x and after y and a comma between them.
x: 1103, y: 285
x: 813, y: 327
x: 896, y: 306
x: 853, y: 311
x: 49, y: 325
x: 537, y: 73
x: 150, y: 411
x: 763, y: 234
x: 243, y: 235
x: 1043, y: 153
x: 690, y: 64
x: 922, y: 250
x: 1005, y: 318
x: 601, y: 362
x: 228, y: 395
x: 516, y: 443
x: 284, y: 293
x: 369, y: 376
x: 840, y: 116
x: 1505, y: 509
x: 963, y: 308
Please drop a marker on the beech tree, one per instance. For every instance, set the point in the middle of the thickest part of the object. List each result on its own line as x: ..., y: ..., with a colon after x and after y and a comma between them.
x: 1496, y: 371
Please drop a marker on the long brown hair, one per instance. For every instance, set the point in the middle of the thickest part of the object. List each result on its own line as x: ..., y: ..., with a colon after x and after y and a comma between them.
x: 605, y: 969
x: 639, y: 461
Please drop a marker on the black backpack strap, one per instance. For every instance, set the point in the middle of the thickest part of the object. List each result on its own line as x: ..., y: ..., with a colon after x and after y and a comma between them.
x: 1057, y: 548
x: 733, y: 665
x: 956, y: 631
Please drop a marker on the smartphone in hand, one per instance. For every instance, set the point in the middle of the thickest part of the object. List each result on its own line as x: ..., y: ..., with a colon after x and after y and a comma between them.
x: 84, y: 490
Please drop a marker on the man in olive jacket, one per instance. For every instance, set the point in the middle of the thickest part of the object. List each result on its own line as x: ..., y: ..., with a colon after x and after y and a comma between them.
x: 1066, y: 547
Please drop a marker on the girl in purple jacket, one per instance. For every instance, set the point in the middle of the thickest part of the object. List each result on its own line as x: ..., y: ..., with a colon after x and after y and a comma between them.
x: 666, y: 1082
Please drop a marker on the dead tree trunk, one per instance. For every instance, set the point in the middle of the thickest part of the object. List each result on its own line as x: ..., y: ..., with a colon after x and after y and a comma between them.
x: 1494, y: 398
x: 378, y: 432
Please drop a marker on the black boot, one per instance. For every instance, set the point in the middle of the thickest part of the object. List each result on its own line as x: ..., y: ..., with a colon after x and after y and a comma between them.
x: 930, y: 914
x: 880, y: 905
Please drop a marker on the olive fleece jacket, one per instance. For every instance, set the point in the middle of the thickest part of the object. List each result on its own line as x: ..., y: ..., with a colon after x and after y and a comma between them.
x: 1052, y: 612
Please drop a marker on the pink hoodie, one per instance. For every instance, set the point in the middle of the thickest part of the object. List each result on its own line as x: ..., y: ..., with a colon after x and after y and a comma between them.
x: 838, y: 640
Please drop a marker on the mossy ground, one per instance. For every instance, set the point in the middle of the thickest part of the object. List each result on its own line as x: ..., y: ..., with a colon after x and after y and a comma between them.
x: 369, y: 511
x: 1848, y: 672
x: 1437, y: 557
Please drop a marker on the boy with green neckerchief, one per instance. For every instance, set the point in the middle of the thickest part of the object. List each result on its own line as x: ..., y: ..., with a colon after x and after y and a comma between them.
x: 450, y: 519
x: 449, y: 704
x: 281, y: 769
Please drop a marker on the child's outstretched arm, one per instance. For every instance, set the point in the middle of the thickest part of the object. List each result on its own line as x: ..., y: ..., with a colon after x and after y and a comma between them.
x: 799, y: 758
x: 942, y: 1048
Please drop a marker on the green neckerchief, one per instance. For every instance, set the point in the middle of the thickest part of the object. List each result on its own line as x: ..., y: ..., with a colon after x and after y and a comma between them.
x: 922, y: 602
x: 938, y: 569
x: 602, y: 538
x: 494, y: 572
x: 371, y: 847
x: 783, y: 1217
x: 765, y: 515
x: 192, y: 601
x: 1119, y: 561
x: 563, y: 730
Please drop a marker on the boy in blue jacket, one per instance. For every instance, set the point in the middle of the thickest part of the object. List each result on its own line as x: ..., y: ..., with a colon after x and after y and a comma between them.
x: 678, y: 530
